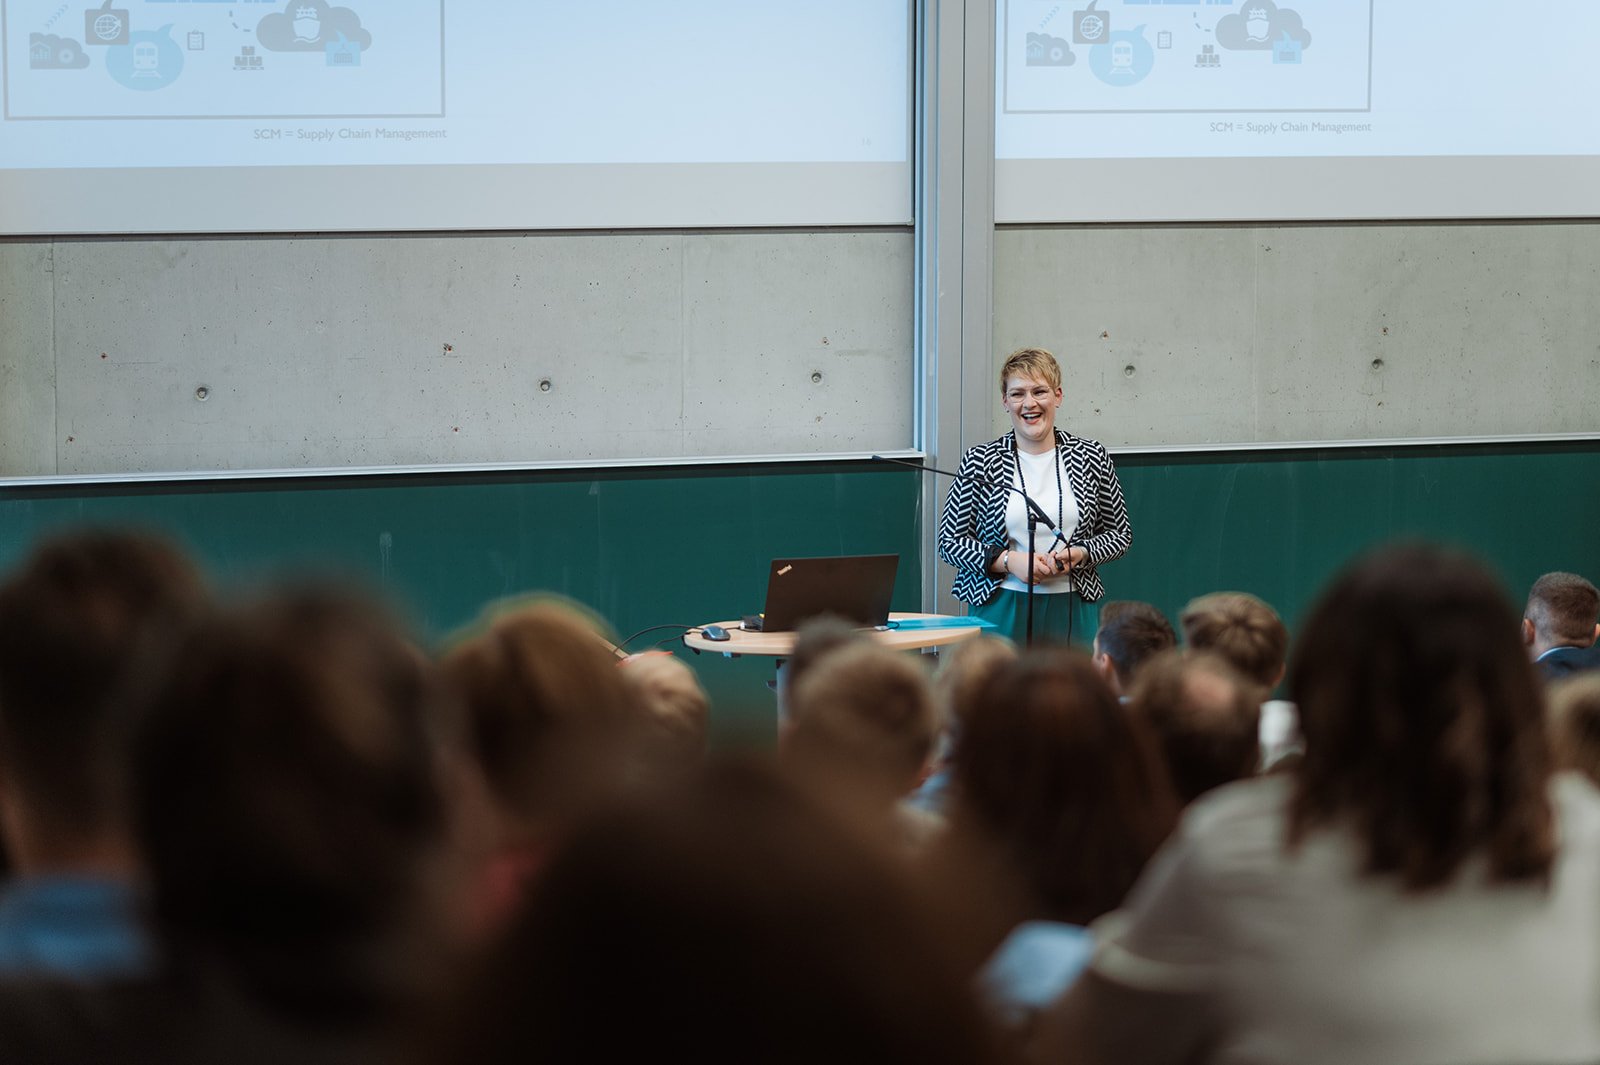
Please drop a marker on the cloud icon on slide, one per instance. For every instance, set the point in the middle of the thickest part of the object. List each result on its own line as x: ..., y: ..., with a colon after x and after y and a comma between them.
x: 309, y: 25
x: 46, y: 51
x: 1047, y: 51
x: 1257, y: 24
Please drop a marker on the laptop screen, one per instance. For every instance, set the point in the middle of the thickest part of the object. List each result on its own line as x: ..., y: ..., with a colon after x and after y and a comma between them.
x: 856, y: 588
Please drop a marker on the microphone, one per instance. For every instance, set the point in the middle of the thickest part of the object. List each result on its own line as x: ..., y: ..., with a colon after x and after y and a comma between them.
x: 1035, y: 511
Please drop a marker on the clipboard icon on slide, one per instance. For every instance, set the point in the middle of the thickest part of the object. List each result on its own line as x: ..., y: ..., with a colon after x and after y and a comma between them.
x: 105, y: 25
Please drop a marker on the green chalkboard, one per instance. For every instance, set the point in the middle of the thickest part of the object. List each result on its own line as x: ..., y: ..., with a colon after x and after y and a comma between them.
x: 640, y: 546
x: 1280, y: 523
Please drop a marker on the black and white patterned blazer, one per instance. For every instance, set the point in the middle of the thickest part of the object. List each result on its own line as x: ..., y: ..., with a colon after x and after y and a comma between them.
x: 972, y: 530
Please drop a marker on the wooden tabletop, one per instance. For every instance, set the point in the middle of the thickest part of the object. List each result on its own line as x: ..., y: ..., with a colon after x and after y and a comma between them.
x: 781, y: 644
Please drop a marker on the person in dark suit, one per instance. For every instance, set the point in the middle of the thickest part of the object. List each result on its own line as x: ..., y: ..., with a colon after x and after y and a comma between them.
x: 1560, y: 624
x: 983, y: 531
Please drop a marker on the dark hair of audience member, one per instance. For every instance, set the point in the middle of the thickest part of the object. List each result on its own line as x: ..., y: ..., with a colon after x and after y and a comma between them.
x: 1423, y: 720
x: 547, y: 709
x: 289, y: 795
x: 1242, y: 629
x: 1130, y: 633
x: 1564, y: 608
x: 75, y: 617
x: 1575, y: 724
x: 728, y: 922
x: 1053, y: 769
x: 1206, y: 718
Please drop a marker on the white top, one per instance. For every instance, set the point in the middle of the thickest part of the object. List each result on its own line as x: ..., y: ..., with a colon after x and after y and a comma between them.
x: 1297, y: 957
x: 1038, y: 472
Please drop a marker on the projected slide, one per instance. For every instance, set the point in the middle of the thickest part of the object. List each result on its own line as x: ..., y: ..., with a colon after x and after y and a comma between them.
x: 1154, y: 55
x: 224, y: 59
x: 272, y: 115
x: 1110, y: 110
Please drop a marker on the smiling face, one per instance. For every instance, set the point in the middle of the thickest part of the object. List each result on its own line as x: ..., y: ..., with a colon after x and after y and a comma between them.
x: 1032, y: 403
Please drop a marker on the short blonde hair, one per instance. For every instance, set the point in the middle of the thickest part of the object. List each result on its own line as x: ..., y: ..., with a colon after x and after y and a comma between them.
x: 1242, y: 629
x: 866, y: 706
x: 1031, y: 362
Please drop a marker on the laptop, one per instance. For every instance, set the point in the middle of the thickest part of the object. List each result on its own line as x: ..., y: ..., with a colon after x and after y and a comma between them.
x: 854, y: 587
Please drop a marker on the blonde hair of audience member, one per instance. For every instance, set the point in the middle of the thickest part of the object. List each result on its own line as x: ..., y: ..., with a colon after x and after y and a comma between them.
x: 1242, y: 629
x: 866, y: 712
x: 1575, y: 724
x: 554, y: 728
x: 815, y: 638
x: 1205, y: 716
x: 732, y: 921
x: 291, y: 798
x: 1070, y: 787
x: 675, y: 706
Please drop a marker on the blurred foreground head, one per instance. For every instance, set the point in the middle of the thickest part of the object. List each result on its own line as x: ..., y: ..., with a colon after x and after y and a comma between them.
x: 727, y: 922
x: 1206, y: 717
x: 549, y: 715
x: 75, y: 618
x: 1242, y: 629
x: 1055, y: 771
x: 1575, y: 724
x: 289, y: 794
x: 1423, y: 720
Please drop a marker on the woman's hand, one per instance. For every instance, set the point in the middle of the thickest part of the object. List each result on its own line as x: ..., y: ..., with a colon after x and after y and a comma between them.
x: 1063, y: 560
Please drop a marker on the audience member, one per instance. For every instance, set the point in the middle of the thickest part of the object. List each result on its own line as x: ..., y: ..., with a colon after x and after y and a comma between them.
x: 675, y: 706
x: 1254, y: 640
x: 290, y: 794
x: 75, y: 617
x: 554, y: 726
x: 1205, y: 716
x: 1130, y: 633
x: 964, y: 671
x: 1420, y: 889
x: 1575, y: 724
x: 862, y: 728
x: 1560, y: 624
x: 730, y: 922
x: 1059, y: 799
x: 813, y: 639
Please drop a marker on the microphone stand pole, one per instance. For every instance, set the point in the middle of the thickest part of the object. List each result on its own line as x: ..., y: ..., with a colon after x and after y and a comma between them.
x: 1036, y: 518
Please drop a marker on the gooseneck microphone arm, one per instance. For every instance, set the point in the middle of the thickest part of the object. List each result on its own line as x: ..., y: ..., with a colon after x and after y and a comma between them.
x: 1036, y: 518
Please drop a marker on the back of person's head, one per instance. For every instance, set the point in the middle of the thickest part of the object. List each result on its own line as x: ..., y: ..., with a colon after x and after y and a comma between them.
x: 866, y: 713
x: 1053, y: 769
x: 1242, y: 629
x: 75, y: 617
x: 1563, y: 610
x: 289, y: 797
x: 964, y: 672
x: 1423, y: 720
x: 1575, y: 724
x: 675, y: 706
x: 814, y: 640
x: 547, y: 708
x: 1130, y: 634
x: 1205, y: 715
x: 728, y: 922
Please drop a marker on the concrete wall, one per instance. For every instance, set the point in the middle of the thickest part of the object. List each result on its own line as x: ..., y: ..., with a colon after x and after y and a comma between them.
x: 402, y: 350
x: 1181, y: 335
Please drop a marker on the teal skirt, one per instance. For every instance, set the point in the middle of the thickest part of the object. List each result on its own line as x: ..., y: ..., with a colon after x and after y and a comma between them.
x: 1054, y: 616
